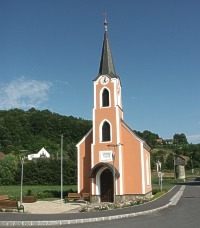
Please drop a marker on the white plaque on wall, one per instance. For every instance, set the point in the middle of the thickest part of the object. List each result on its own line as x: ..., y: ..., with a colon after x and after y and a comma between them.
x: 105, y: 156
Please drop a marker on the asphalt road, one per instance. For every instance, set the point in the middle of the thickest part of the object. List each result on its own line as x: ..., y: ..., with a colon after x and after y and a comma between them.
x: 186, y: 214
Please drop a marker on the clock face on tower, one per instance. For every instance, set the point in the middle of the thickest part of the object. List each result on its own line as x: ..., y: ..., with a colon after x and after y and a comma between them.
x: 104, y: 80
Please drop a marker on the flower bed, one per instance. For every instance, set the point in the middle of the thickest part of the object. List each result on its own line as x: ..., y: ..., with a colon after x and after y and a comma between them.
x: 110, y: 206
x: 130, y: 203
x: 29, y: 199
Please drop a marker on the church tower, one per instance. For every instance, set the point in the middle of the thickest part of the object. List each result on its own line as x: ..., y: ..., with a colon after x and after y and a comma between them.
x: 113, y: 162
x: 107, y: 111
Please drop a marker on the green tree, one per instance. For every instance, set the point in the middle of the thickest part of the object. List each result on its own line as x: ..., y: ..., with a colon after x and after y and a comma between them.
x: 149, y: 137
x: 9, y: 166
x: 169, y: 163
x: 180, y: 139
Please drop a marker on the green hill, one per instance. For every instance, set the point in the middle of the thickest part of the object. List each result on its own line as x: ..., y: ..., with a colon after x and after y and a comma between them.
x: 33, y: 129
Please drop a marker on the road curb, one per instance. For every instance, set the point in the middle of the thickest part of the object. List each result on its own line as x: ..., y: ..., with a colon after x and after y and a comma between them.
x: 172, y: 201
x: 79, y: 221
x: 114, y: 217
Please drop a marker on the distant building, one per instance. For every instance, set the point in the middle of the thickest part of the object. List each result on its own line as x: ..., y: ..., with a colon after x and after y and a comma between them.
x: 160, y: 140
x: 180, y: 160
x: 180, y: 163
x: 41, y: 154
x: 164, y: 141
x: 168, y: 141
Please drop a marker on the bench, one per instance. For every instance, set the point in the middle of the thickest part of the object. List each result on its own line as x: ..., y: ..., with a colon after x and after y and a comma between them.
x: 4, y: 197
x: 73, y: 196
x: 85, y: 195
x: 9, y: 204
x: 77, y: 196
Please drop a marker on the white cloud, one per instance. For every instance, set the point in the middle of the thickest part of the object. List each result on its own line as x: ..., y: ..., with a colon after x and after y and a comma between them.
x: 62, y: 82
x: 193, y: 139
x: 24, y: 93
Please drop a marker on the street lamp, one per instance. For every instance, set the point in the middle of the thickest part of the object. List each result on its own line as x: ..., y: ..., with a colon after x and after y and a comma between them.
x: 174, y: 165
x: 22, y: 175
x: 22, y: 158
x: 61, y: 171
x: 192, y: 166
x: 113, y: 158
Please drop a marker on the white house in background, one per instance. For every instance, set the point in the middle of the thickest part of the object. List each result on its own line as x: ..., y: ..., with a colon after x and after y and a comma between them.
x: 42, y: 153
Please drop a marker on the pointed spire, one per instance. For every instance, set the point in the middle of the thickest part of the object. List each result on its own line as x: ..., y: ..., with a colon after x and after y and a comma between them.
x: 106, y: 64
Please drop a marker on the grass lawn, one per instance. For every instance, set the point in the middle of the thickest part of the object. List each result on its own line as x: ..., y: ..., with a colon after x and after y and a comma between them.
x: 42, y: 191
x: 53, y: 192
x: 167, y: 183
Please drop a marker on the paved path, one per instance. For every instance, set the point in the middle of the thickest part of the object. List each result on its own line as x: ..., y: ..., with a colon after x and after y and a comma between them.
x: 57, y: 214
x: 51, y: 207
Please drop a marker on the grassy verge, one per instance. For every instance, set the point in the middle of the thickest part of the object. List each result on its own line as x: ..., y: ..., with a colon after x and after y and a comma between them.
x: 167, y: 183
x: 40, y: 190
x: 53, y: 192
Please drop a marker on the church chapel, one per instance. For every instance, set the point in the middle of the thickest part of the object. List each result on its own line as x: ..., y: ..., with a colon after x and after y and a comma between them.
x: 113, y: 163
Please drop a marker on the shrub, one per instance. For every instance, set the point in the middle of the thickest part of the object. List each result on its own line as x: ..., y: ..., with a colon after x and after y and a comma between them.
x: 29, y: 192
x: 84, y: 209
x: 158, y: 194
x: 43, y: 195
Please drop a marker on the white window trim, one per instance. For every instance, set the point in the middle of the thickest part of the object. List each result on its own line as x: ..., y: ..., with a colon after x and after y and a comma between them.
x: 101, y: 98
x: 98, y: 181
x: 100, y: 131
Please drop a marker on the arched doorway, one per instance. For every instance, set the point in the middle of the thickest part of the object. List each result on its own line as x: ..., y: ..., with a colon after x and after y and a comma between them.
x: 106, y: 183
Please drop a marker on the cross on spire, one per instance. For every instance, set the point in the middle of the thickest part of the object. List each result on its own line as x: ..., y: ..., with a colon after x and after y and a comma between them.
x: 105, y: 23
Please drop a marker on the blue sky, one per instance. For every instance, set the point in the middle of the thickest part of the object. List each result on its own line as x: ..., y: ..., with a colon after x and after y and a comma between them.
x: 50, y: 52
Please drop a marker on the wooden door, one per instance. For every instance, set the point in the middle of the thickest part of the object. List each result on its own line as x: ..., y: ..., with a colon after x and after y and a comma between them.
x: 107, y: 186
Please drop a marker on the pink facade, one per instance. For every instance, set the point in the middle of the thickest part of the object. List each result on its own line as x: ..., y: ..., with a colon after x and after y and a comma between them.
x: 113, y: 162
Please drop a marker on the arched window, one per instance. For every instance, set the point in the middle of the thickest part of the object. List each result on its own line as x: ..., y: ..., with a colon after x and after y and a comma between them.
x: 105, y: 98
x: 106, y: 132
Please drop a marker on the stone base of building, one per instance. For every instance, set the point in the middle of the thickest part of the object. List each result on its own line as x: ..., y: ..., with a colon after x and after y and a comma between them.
x: 132, y: 197
x: 95, y: 199
x: 123, y: 198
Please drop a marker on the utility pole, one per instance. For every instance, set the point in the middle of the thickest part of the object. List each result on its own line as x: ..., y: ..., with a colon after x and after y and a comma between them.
x: 114, y: 187
x: 61, y: 171
x: 192, y: 166
x: 174, y: 165
x: 22, y: 176
x: 114, y: 179
x: 22, y: 158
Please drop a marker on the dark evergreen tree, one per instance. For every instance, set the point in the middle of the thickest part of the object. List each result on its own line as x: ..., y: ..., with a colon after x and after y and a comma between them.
x: 180, y: 139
